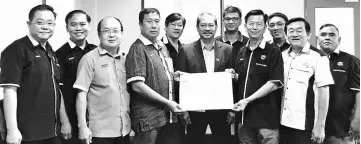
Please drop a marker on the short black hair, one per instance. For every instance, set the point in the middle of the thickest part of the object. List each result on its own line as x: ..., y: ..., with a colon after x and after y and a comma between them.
x: 205, y: 13
x: 256, y: 12
x: 174, y: 17
x: 100, y: 23
x: 329, y: 25
x: 278, y: 14
x: 297, y: 19
x: 145, y: 11
x: 42, y: 7
x: 232, y: 9
x: 72, y: 13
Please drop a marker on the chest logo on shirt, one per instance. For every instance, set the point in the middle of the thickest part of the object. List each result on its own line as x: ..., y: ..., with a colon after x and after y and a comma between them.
x: 263, y: 57
x: 104, y: 65
x: 340, y: 63
x: 71, y: 58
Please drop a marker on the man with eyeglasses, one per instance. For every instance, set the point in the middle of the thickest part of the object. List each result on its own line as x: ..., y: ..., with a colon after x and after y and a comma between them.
x: 277, y: 27
x: 30, y: 76
x: 206, y: 55
x: 150, y: 81
x: 102, y: 90
x: 259, y: 70
x: 69, y: 55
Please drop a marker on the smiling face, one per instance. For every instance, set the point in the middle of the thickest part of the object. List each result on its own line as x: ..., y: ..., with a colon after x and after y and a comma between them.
x: 207, y: 27
x: 297, y: 35
x: 41, y: 27
x: 277, y: 27
x: 255, y: 26
x: 328, y: 39
x: 110, y: 33
x: 174, y: 29
x: 232, y: 21
x: 78, y: 27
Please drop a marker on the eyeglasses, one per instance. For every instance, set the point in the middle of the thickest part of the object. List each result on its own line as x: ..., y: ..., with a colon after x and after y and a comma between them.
x: 278, y: 24
x: 231, y: 18
x: 42, y: 23
x: 108, y: 31
x: 251, y: 25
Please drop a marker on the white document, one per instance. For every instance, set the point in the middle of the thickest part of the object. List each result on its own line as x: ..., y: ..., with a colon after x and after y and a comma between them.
x: 206, y: 91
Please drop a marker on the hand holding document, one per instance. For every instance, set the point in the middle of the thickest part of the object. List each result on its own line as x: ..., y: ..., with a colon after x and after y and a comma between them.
x: 206, y: 91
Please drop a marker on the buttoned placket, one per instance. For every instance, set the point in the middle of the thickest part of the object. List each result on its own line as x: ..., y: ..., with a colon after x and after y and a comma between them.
x: 170, y: 80
x: 290, y: 68
x: 51, y: 59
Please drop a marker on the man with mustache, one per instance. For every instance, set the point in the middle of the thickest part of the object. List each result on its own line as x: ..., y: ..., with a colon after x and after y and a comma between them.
x: 345, y: 94
x: 30, y: 76
x: 259, y: 67
x: 305, y: 68
x: 69, y: 55
x: 206, y: 55
x: 277, y: 27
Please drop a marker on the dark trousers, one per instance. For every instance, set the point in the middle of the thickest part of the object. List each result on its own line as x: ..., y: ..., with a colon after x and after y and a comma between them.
x: 217, y: 120
x: 115, y: 140
x: 167, y: 134
x: 53, y: 140
x: 294, y: 136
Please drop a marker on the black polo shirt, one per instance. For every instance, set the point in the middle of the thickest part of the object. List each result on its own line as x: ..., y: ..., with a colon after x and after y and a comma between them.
x: 255, y: 68
x: 69, y: 59
x: 283, y: 47
x: 36, y: 73
x: 345, y: 70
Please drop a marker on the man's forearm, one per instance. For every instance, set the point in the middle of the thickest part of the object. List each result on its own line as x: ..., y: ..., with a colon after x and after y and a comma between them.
x: 357, y: 107
x: 81, y: 108
x: 10, y: 107
x: 144, y: 90
x: 63, y: 116
x: 323, y: 98
x: 263, y: 91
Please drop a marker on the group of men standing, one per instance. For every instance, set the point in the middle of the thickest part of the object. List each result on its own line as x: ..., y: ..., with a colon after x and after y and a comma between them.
x: 98, y: 93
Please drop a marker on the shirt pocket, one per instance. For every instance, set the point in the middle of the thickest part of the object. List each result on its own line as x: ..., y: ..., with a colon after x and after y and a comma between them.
x: 302, y: 74
x: 101, y: 74
x: 261, y: 68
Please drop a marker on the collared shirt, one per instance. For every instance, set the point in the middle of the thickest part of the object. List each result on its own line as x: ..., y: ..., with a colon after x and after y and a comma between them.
x: 102, y: 76
x: 283, y: 47
x: 148, y: 63
x: 35, y: 71
x: 302, y: 71
x: 69, y: 56
x: 208, y: 57
x: 345, y: 70
x: 73, y: 45
x: 256, y: 67
x: 237, y: 45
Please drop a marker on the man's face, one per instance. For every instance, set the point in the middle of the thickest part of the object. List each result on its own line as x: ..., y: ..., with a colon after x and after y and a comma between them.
x: 232, y: 21
x: 328, y: 38
x: 255, y: 26
x: 207, y: 27
x: 276, y: 27
x: 41, y: 27
x: 78, y: 27
x: 150, y: 27
x: 110, y: 33
x: 174, y: 29
x: 296, y: 34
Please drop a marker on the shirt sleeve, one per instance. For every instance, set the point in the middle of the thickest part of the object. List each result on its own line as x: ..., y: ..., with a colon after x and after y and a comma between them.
x: 85, y: 73
x: 276, y: 68
x: 11, y: 65
x: 355, y: 74
x: 135, y: 64
x: 323, y: 76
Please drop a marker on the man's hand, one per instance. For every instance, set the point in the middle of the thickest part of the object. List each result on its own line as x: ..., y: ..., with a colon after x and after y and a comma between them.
x: 241, y: 105
x: 233, y: 73
x: 185, y: 118
x: 355, y: 126
x: 13, y: 136
x: 318, y: 134
x: 177, y: 74
x: 66, y: 130
x: 174, y: 107
x: 231, y: 117
x: 85, y: 134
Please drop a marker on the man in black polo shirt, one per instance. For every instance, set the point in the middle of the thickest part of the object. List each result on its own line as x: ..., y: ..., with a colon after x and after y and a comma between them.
x: 259, y: 67
x: 69, y: 55
x: 30, y: 75
x: 345, y: 93
x: 277, y: 27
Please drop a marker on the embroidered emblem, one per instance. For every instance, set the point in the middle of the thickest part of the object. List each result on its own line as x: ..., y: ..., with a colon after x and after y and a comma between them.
x: 340, y: 63
x: 104, y: 65
x: 71, y: 58
x: 37, y: 56
x: 263, y: 57
x: 217, y: 59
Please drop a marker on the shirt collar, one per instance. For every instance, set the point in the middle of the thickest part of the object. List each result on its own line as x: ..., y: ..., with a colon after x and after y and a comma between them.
x: 262, y: 45
x: 337, y: 51
x: 204, y: 47
x: 240, y: 37
x: 305, y: 49
x: 73, y: 45
x: 103, y: 51
x: 146, y: 41
x: 33, y: 41
x: 166, y: 41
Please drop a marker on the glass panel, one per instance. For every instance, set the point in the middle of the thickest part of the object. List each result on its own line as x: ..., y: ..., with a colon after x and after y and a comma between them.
x: 343, y: 19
